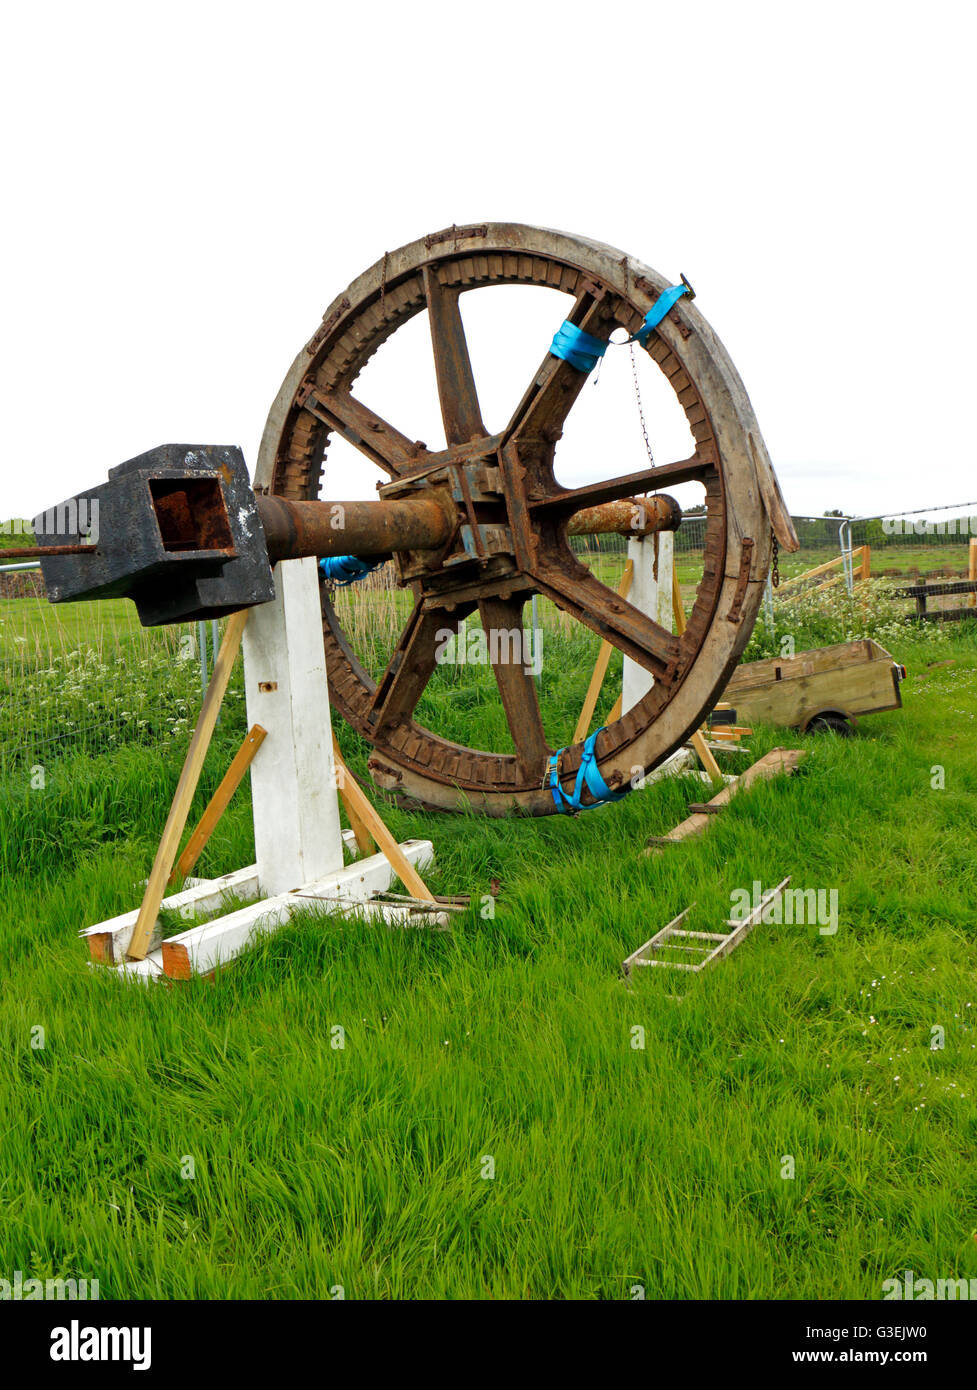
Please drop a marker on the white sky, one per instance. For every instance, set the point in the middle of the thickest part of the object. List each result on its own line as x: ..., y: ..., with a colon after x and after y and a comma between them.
x: 189, y: 185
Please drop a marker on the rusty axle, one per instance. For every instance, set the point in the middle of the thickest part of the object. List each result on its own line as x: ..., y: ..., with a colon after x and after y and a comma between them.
x: 293, y: 529
x: 182, y: 533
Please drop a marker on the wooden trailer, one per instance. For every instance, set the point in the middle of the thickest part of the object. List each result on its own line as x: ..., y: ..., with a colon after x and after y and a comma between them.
x: 825, y: 688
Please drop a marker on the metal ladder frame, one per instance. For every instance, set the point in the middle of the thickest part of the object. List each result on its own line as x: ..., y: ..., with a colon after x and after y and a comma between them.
x: 725, y: 942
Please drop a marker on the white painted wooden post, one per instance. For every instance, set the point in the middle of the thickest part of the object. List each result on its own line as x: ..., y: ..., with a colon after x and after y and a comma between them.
x: 297, y: 833
x: 651, y: 591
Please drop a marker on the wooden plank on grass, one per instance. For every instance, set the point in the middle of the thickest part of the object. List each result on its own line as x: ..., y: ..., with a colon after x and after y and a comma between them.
x: 772, y: 764
x: 179, y: 810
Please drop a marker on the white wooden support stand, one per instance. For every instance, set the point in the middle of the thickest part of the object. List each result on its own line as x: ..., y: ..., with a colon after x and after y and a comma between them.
x: 651, y: 592
x: 298, y: 837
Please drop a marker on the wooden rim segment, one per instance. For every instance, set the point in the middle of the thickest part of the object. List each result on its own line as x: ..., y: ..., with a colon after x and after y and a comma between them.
x: 609, y: 290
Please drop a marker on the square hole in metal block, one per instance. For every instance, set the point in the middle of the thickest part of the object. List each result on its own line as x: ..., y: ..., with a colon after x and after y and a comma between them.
x: 191, y: 514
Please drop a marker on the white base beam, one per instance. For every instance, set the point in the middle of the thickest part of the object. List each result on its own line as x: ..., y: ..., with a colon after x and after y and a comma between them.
x: 678, y: 762
x: 201, y: 949
x: 108, y: 942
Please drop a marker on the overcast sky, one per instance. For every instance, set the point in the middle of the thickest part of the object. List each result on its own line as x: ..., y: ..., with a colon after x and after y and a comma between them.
x: 189, y: 185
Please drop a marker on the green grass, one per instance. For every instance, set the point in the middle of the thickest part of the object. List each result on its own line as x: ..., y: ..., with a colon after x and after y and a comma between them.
x: 513, y: 1038
x: 37, y: 625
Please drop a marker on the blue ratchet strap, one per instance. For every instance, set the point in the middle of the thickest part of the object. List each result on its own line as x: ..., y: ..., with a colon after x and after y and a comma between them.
x: 665, y: 301
x: 582, y: 350
x: 346, y: 569
x: 588, y: 776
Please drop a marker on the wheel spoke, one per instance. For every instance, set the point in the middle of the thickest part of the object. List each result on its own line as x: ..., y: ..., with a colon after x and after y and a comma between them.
x: 411, y: 665
x: 543, y: 409
x: 456, y: 382
x: 611, y: 617
x: 570, y: 500
x: 502, y: 621
x: 365, y: 430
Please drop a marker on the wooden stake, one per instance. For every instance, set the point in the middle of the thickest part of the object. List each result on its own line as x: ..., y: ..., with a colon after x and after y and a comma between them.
x: 600, y: 668
x: 866, y: 562
x: 698, y: 742
x: 353, y: 795
x: 972, y: 569
x: 217, y: 805
x: 175, y: 822
x: 772, y: 764
x: 364, y: 840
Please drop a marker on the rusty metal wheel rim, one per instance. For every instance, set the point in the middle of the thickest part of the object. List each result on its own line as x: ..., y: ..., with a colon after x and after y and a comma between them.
x: 609, y: 290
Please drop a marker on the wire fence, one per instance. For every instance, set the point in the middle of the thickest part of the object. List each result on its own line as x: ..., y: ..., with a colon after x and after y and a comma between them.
x: 933, y: 541
x: 87, y: 678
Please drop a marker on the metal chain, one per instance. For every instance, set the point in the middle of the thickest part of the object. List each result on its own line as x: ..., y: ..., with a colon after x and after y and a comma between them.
x: 775, y: 573
x: 641, y: 412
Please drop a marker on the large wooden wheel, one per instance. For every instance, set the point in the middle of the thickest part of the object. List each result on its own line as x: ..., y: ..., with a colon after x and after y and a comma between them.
x: 510, y: 514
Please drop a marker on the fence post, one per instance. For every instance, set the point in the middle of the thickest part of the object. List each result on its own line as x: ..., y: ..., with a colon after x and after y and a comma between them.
x: 202, y: 655
x: 848, y: 564
x: 214, y: 648
x: 972, y: 567
x: 537, y: 635
x: 866, y: 562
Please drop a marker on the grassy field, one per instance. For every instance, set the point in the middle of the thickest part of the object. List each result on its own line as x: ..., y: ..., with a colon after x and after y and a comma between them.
x: 899, y: 560
x: 620, y: 1157
x: 42, y: 626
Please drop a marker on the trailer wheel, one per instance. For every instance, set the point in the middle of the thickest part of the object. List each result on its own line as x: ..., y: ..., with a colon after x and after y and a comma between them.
x: 830, y: 723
